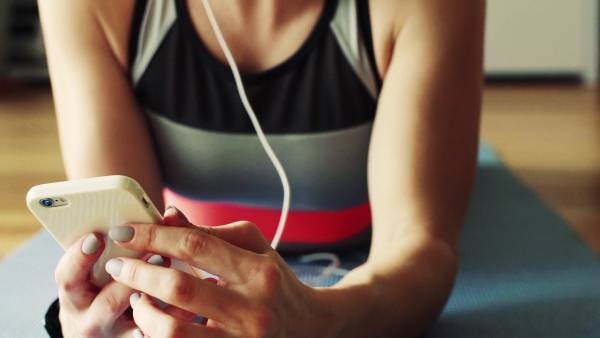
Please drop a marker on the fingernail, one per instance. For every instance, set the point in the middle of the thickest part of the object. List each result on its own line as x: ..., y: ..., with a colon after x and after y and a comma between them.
x: 138, y: 334
x: 178, y: 212
x: 90, y: 245
x: 157, y: 260
x: 121, y: 233
x: 134, y: 298
x: 114, y: 266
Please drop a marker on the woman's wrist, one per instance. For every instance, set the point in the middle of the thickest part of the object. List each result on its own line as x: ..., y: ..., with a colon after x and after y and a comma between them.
x: 334, y: 308
x: 396, y: 296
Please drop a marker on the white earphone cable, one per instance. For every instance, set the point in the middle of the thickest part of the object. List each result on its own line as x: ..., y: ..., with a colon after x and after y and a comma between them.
x: 261, y: 136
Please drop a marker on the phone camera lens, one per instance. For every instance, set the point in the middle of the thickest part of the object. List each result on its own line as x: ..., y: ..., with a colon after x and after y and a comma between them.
x: 47, y: 202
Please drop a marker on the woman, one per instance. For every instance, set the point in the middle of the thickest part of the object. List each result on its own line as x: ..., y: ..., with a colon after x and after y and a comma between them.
x: 383, y: 95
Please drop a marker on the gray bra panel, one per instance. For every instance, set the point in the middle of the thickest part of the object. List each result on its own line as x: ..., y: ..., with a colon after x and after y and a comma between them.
x: 327, y: 171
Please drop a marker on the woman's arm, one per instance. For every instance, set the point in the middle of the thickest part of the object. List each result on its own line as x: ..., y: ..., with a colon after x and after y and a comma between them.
x: 102, y: 132
x: 421, y: 170
x: 102, y: 129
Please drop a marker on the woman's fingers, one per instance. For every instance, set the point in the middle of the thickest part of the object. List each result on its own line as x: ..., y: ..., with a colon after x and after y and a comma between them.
x: 179, y: 313
x: 72, y: 272
x: 154, y: 322
x: 112, y: 301
x: 250, y: 270
x: 178, y: 288
x: 192, y: 246
x: 182, y: 314
x: 242, y: 234
x: 175, y: 218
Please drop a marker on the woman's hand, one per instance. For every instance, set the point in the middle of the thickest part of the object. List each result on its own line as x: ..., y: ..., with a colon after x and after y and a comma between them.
x: 257, y: 294
x: 86, y: 311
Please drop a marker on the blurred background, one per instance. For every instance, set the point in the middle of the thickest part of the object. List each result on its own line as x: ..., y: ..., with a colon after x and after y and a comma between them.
x: 540, y: 110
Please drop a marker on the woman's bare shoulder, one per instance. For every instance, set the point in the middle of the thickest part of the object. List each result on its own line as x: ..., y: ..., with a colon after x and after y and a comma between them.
x: 93, y: 19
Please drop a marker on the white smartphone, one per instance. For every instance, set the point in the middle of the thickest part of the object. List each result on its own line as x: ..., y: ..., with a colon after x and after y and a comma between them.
x: 70, y: 209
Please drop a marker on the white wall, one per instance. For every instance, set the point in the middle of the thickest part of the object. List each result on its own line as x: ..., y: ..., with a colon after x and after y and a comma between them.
x: 540, y: 37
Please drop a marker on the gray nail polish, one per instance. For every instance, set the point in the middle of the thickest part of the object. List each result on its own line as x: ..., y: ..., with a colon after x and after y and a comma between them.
x: 114, y: 266
x: 134, y: 298
x: 138, y: 334
x: 90, y: 245
x: 121, y: 233
x: 157, y: 260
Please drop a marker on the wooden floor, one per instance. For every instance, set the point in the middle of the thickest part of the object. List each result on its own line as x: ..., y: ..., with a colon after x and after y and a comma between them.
x: 548, y: 135
x: 29, y: 155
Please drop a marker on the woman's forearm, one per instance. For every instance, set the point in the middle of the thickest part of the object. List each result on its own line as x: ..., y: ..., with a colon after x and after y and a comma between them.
x: 398, y: 293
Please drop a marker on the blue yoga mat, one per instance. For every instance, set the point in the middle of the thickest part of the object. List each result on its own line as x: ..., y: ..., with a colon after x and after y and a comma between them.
x: 523, y: 272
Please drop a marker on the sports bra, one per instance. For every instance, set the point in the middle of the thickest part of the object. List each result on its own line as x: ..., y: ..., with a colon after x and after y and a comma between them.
x: 316, y: 108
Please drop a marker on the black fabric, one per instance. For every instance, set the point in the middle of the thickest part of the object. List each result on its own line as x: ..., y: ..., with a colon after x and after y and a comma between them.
x: 315, y: 90
x: 364, y: 18
x: 51, y: 321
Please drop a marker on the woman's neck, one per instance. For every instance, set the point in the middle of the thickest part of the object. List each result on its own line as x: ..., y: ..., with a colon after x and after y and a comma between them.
x: 259, y: 33
x: 271, y: 13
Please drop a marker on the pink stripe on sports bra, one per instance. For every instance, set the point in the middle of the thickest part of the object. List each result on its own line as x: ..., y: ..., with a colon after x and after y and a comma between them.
x: 320, y: 227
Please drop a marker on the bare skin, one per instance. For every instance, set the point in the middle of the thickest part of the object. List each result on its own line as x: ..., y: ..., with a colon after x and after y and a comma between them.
x: 421, y: 167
